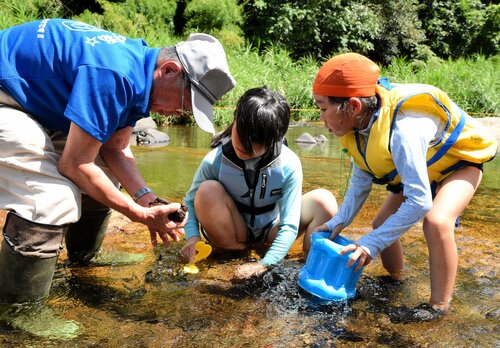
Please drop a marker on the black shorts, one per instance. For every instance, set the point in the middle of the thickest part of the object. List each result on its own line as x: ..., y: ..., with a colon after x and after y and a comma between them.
x: 253, y: 236
x: 398, y: 188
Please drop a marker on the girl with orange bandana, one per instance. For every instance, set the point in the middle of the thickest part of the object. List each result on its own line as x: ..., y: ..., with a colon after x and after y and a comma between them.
x: 417, y: 141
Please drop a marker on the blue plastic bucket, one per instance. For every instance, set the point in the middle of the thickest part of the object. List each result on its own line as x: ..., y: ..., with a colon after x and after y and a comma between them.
x: 325, y: 274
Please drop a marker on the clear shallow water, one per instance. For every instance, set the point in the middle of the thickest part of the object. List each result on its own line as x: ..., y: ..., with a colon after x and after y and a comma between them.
x: 153, y: 304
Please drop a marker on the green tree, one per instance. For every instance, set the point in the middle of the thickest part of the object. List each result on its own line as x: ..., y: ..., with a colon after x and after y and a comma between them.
x: 317, y: 27
x: 221, y: 18
x: 137, y: 18
x: 381, y: 29
x: 487, y: 38
x: 401, y: 33
x: 458, y: 28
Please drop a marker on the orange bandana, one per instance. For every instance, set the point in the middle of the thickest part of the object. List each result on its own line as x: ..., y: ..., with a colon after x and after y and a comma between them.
x: 347, y: 75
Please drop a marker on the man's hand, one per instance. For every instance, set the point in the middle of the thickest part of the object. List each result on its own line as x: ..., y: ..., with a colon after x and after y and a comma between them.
x: 158, y: 223
x: 176, y: 216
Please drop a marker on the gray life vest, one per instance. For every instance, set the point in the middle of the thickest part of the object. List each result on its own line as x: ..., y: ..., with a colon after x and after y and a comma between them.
x: 255, y: 190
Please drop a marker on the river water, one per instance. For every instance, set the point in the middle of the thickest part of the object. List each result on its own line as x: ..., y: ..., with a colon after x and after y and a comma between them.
x: 154, y: 304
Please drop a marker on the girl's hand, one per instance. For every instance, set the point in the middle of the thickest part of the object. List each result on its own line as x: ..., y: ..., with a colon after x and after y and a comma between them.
x: 322, y: 228
x: 334, y: 233
x: 188, y: 251
x: 248, y: 270
x: 358, y: 254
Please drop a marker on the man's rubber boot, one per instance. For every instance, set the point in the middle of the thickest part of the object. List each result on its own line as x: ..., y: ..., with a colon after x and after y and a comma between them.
x: 26, y: 269
x: 28, y: 258
x: 24, y: 279
x: 84, y: 238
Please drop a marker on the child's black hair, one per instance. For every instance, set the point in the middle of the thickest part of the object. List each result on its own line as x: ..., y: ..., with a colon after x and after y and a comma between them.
x: 262, y: 117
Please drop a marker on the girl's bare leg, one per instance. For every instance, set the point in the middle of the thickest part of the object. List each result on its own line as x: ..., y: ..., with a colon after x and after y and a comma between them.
x: 217, y: 213
x: 392, y: 256
x: 454, y: 193
x: 318, y: 206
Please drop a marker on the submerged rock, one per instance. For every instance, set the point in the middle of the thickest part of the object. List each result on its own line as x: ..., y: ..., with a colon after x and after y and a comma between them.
x: 39, y: 320
x: 144, y: 124
x: 307, y: 138
x: 321, y: 138
x: 151, y: 136
x: 145, y: 133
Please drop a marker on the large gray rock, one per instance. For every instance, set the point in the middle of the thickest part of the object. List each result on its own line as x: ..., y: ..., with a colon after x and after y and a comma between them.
x: 151, y: 136
x: 146, y: 133
x: 144, y: 123
x: 307, y: 138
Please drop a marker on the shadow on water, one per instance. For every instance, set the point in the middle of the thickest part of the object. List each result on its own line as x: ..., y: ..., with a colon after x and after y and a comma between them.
x: 153, y: 303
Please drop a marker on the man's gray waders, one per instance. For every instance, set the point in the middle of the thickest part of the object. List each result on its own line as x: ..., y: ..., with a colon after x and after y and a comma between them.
x: 28, y: 259
x: 84, y: 238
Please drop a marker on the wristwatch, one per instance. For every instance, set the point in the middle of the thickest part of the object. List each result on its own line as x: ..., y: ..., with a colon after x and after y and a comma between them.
x: 141, y: 192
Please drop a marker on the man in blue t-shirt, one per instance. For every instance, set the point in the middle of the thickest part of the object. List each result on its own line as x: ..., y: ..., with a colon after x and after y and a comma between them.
x: 70, y: 95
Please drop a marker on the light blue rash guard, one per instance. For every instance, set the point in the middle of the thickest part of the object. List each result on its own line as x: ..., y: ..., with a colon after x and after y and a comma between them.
x: 289, y: 203
x: 62, y: 71
x: 410, y: 141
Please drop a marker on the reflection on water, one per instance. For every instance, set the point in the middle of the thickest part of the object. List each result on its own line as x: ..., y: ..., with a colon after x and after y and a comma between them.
x: 154, y: 304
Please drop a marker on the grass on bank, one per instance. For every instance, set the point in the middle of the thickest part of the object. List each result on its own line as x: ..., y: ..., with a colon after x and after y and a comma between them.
x: 471, y: 82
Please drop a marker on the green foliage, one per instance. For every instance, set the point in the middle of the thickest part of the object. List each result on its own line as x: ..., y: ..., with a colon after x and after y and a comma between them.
x: 136, y: 18
x: 471, y: 83
x: 401, y: 33
x: 459, y: 28
x: 487, y: 38
x: 385, y: 29
x: 381, y: 29
x: 13, y: 12
x: 220, y: 18
x: 208, y: 15
x: 317, y: 27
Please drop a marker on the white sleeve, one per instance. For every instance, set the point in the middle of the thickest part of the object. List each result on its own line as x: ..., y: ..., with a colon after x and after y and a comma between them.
x: 409, y: 144
x: 359, y: 188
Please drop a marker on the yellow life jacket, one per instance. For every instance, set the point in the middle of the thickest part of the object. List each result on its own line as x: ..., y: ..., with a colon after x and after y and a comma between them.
x: 463, y: 140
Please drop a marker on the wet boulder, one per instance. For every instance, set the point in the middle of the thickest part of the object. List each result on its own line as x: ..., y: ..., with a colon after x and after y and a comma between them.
x: 321, y: 138
x: 144, y: 124
x: 146, y: 133
x: 151, y: 136
x: 307, y: 138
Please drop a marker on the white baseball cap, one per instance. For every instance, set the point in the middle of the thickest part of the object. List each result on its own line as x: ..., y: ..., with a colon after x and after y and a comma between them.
x: 204, y: 60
